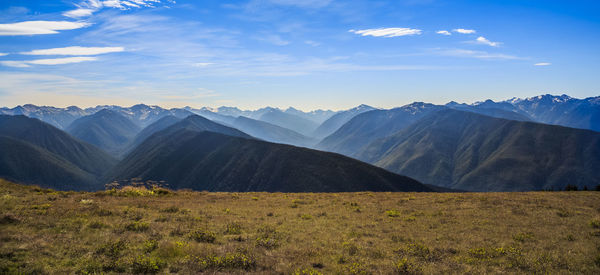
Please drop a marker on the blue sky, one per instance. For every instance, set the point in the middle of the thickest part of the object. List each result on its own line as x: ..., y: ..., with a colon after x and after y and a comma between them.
x: 308, y: 54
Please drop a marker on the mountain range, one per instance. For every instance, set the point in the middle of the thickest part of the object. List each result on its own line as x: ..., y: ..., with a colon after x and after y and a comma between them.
x: 51, y: 157
x: 468, y: 151
x: 513, y: 145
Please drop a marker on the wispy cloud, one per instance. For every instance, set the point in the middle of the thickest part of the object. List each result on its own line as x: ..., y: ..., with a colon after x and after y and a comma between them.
x: 88, y: 7
x: 542, y: 64
x: 464, y: 31
x: 387, y: 32
x: 75, y: 50
x: 78, y: 13
x: 40, y: 27
x: 475, y: 54
x: 50, y: 61
x: 444, y: 32
x: 202, y: 64
x: 484, y: 41
x: 3, y: 54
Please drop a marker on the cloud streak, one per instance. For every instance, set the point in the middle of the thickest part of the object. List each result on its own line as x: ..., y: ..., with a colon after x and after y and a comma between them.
x: 476, y: 54
x: 39, y: 27
x: 75, y: 50
x: 464, y: 31
x: 542, y: 64
x: 50, y: 61
x: 387, y: 32
x: 443, y: 32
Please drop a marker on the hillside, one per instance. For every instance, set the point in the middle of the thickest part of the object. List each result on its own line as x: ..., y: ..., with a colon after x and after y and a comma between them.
x: 37, y: 133
x: 371, y: 125
x: 272, y: 133
x: 202, y: 160
x: 157, y: 126
x: 29, y: 164
x: 136, y: 231
x: 106, y: 129
x: 468, y: 151
x: 336, y: 121
x: 289, y: 121
x: 198, y: 123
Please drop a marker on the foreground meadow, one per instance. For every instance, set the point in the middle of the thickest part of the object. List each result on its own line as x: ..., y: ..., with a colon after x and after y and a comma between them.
x: 161, y: 231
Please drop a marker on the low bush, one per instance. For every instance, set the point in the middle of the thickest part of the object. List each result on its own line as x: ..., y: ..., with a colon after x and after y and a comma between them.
x: 203, y: 236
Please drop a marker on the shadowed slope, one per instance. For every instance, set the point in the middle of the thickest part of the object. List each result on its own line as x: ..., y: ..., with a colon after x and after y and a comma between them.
x: 336, y: 121
x: 186, y: 158
x: 106, y: 129
x: 85, y: 156
x: 273, y: 133
x: 369, y: 126
x: 26, y: 163
x: 468, y: 151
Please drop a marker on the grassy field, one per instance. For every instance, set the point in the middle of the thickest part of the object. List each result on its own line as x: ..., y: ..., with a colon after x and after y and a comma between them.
x: 160, y: 231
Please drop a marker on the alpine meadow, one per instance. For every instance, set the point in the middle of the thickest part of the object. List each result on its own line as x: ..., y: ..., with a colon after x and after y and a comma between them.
x: 299, y: 137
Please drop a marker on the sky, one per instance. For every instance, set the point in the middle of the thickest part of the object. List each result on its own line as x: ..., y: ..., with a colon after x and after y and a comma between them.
x: 309, y: 54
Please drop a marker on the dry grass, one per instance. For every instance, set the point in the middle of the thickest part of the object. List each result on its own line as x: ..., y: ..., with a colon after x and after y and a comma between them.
x: 144, y: 231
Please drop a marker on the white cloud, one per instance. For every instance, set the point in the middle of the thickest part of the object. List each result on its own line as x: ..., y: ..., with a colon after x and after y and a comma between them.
x: 88, y: 7
x: 3, y: 54
x: 39, y: 27
x: 124, y: 5
x: 52, y: 61
x: 475, y: 54
x: 444, y: 32
x: 464, y: 31
x: 484, y: 41
x: 75, y: 50
x: 542, y: 64
x: 78, y: 13
x: 387, y: 32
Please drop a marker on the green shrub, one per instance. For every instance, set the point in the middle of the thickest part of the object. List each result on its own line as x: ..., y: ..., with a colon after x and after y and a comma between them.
x: 393, y: 213
x: 306, y: 216
x: 404, y: 266
x: 595, y: 223
x: 522, y: 237
x: 170, y: 209
x: 147, y: 265
x: 137, y: 226
x: 112, y: 250
x: 229, y: 261
x: 203, y: 236
x: 306, y: 271
x: 150, y: 245
x: 233, y: 229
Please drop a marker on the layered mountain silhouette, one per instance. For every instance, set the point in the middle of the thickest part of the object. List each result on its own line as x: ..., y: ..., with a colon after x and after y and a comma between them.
x: 369, y: 126
x: 157, y: 126
x: 200, y: 124
x: 559, y: 110
x: 49, y: 156
x: 336, y: 121
x: 468, y: 151
x: 203, y: 160
x: 269, y: 132
x: 58, y: 117
x: 289, y: 121
x: 106, y: 129
x: 316, y: 116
